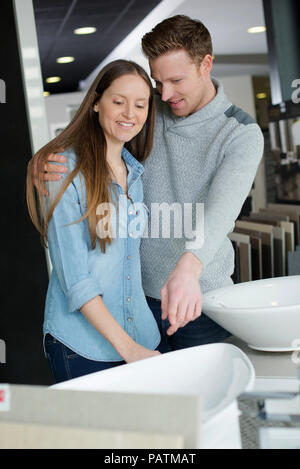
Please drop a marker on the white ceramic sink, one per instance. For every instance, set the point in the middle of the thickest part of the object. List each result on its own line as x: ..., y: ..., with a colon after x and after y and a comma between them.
x: 217, y: 372
x: 263, y: 313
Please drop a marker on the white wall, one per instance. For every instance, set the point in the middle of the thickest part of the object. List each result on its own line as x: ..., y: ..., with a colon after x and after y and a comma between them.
x: 57, y: 107
x: 239, y: 91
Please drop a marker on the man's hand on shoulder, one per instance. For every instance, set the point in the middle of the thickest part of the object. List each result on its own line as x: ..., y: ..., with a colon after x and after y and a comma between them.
x: 49, y: 171
x: 181, y: 297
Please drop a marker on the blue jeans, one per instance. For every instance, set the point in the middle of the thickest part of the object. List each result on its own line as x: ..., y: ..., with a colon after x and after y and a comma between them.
x: 198, y: 332
x: 66, y: 364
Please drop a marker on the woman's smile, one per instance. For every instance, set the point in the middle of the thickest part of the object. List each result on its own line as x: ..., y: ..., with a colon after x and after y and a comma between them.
x: 123, y: 108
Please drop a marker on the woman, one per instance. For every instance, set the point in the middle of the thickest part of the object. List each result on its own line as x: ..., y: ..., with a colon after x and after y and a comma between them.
x: 96, y: 314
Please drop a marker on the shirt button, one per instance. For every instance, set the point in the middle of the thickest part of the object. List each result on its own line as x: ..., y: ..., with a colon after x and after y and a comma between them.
x: 130, y: 212
x: 128, y: 299
x: 128, y: 277
x: 128, y: 257
x: 129, y: 319
x: 130, y: 235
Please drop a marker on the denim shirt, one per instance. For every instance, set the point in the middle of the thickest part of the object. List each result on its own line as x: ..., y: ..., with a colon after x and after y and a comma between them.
x: 80, y: 273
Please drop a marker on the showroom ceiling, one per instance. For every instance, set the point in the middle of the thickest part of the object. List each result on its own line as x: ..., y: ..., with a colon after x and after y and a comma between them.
x: 56, y: 21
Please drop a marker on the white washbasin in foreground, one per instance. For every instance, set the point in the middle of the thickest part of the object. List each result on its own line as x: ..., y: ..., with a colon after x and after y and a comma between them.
x: 263, y: 313
x: 217, y: 372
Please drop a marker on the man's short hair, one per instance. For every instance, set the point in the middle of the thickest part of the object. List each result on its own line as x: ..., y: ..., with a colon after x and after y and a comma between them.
x: 178, y: 32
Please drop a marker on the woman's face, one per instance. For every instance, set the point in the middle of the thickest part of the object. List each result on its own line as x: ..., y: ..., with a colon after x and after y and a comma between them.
x: 123, y: 108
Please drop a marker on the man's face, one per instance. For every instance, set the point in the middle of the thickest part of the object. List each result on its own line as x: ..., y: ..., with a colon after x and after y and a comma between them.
x: 181, y: 83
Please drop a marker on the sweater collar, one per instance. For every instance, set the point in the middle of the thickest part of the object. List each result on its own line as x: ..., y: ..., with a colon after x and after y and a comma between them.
x: 188, y: 126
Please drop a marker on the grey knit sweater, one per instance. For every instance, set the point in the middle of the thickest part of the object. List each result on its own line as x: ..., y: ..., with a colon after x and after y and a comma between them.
x: 209, y: 157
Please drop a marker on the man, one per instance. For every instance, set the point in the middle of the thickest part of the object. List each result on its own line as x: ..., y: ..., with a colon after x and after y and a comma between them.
x: 205, y: 151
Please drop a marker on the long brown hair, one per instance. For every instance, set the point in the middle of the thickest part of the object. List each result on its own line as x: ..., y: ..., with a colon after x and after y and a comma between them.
x: 85, y: 136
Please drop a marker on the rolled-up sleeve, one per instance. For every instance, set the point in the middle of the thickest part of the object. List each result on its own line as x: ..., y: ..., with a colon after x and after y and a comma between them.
x: 69, y: 245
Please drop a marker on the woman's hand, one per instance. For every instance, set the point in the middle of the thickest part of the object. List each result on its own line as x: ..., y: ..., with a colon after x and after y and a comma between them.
x: 138, y: 352
x: 99, y: 316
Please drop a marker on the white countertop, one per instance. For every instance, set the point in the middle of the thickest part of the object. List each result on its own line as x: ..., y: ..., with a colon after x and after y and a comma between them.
x: 268, y: 364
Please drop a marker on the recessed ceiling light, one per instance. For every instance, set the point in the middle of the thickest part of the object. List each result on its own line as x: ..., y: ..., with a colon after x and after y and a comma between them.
x: 64, y: 60
x: 261, y: 95
x: 257, y: 29
x: 46, y: 93
x: 88, y: 30
x: 53, y: 79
